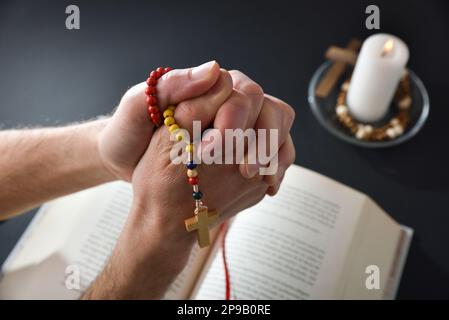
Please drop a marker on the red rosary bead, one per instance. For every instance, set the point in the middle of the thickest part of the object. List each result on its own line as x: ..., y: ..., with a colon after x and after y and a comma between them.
x: 151, y: 100
x: 155, y: 74
x: 193, y: 181
x: 150, y: 91
x: 151, y: 81
x: 153, y: 109
x: 155, y: 117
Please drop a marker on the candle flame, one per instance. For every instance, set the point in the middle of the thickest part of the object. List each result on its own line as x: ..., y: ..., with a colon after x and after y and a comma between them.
x: 388, y: 46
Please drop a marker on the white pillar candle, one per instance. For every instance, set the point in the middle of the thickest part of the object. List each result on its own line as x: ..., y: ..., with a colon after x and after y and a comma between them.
x: 379, y: 68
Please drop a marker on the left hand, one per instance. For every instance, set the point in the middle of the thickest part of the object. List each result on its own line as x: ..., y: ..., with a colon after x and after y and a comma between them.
x: 249, y: 107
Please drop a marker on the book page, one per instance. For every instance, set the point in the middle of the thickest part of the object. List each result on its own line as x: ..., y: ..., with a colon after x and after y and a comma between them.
x: 38, y: 258
x: 48, y: 232
x: 80, y: 231
x: 92, y: 244
x: 92, y: 240
x: 291, y: 246
x: 377, y: 243
x: 32, y: 282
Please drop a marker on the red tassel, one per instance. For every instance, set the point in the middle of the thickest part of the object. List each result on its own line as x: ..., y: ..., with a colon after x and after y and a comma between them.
x: 224, y: 230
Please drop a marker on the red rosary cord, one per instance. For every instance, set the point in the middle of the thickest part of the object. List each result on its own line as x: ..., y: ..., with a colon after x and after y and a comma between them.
x: 224, y: 230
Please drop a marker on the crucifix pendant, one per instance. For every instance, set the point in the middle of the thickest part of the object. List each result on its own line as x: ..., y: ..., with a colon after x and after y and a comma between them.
x: 201, y: 222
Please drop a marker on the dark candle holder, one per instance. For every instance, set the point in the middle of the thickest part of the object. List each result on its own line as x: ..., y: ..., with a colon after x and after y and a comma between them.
x: 324, y: 111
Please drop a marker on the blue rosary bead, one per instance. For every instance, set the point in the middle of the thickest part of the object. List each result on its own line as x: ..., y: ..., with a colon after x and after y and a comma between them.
x: 191, y: 165
x: 197, y: 195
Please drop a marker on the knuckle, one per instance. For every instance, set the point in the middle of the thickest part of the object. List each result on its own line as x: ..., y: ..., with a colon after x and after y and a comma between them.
x: 289, y: 156
x: 243, y: 102
x: 226, y: 78
x: 134, y: 97
x: 253, y: 89
x: 134, y: 92
x: 288, y: 111
x: 246, y: 84
x: 235, y: 72
x: 291, y: 112
x: 238, y: 101
x: 189, y: 74
x: 288, y: 114
x: 169, y: 76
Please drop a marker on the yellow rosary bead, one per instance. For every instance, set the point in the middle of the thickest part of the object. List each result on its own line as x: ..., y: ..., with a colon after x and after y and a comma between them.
x: 168, y: 113
x: 173, y: 128
x: 189, y: 148
x: 192, y: 173
x: 169, y: 121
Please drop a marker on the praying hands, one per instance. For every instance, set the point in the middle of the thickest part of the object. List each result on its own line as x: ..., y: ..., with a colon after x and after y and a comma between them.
x: 154, y: 245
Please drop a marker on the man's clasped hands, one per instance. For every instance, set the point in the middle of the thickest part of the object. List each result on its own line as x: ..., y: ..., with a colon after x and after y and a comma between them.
x: 154, y: 245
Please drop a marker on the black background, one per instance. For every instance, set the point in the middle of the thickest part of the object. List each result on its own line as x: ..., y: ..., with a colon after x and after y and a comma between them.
x: 50, y: 75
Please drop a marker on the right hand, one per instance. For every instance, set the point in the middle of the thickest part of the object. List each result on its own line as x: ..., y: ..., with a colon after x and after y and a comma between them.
x: 128, y: 133
x: 154, y: 246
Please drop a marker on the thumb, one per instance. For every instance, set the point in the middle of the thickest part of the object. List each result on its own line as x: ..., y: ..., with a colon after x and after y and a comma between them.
x: 183, y: 84
x: 172, y: 88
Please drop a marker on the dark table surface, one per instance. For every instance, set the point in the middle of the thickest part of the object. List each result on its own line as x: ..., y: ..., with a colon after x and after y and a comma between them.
x: 50, y: 75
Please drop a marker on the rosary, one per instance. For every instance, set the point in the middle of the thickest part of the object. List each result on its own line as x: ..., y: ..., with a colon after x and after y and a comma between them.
x: 202, y: 217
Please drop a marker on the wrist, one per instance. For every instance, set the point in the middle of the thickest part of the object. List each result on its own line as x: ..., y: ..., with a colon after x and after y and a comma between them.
x: 94, y: 130
x: 158, y: 226
x: 146, y: 243
x: 157, y: 237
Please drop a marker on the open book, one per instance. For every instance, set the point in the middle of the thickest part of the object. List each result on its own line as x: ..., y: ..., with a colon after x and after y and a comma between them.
x: 316, y: 239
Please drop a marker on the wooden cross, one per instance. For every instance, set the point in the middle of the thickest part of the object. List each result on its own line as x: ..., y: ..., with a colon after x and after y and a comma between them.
x: 201, y: 222
x: 336, y: 70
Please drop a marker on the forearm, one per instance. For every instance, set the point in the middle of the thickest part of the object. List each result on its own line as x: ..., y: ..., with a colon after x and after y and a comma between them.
x: 149, y: 254
x: 37, y: 165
